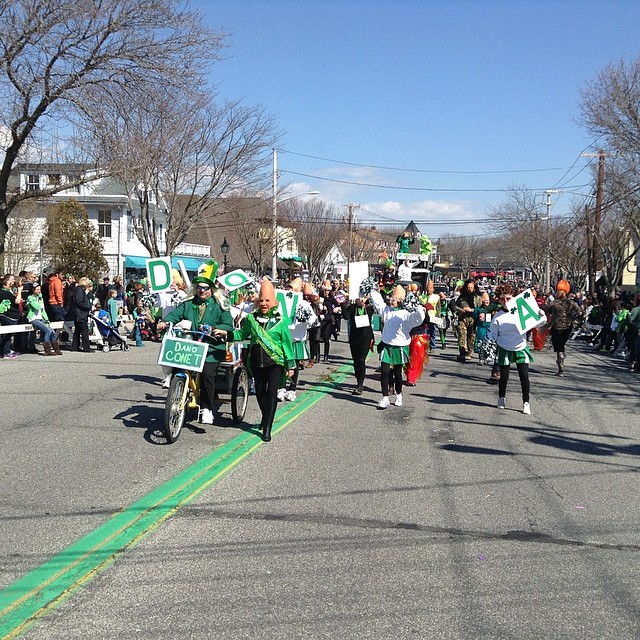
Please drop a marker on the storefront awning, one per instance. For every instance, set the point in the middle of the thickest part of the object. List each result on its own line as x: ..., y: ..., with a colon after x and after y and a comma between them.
x: 140, y: 262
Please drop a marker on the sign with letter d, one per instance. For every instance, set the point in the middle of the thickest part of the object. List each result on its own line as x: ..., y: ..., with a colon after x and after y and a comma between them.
x: 159, y: 274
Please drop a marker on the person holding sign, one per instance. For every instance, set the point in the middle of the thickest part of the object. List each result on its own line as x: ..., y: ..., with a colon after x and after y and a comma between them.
x: 207, y: 309
x: 271, y: 358
x: 505, y: 329
x: 358, y: 316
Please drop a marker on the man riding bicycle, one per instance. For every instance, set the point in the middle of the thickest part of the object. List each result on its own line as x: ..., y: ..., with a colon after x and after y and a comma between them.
x: 205, y: 309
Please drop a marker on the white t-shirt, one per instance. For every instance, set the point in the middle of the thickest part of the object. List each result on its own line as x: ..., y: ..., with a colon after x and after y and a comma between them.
x: 504, y: 331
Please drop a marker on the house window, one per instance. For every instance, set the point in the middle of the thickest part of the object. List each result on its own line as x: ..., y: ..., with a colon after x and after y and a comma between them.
x: 33, y: 182
x: 104, y: 223
x: 54, y: 179
x: 289, y: 245
x: 160, y: 233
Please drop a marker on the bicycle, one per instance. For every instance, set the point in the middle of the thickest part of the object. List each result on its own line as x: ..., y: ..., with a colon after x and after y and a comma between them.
x: 184, y: 390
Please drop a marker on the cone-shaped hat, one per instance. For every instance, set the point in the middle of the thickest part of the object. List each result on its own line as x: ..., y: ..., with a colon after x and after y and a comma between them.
x: 399, y: 293
x: 267, y: 292
x: 296, y: 284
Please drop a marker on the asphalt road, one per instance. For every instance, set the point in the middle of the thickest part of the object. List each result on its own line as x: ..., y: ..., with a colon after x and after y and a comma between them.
x: 445, y: 518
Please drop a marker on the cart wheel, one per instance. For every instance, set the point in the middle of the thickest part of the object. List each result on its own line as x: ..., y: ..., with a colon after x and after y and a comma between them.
x: 125, y: 347
x: 105, y: 348
x: 175, y: 409
x: 239, y: 394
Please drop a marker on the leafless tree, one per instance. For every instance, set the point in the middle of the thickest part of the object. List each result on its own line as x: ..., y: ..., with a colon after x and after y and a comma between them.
x: 178, y: 152
x: 610, y: 106
x: 22, y: 245
x: 319, y: 228
x: 462, y: 250
x: 252, y: 224
x: 610, y: 110
x: 56, y: 56
x: 520, y: 218
x: 497, y: 252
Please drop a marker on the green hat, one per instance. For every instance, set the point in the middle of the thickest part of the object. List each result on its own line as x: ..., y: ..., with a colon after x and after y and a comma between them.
x: 207, y: 273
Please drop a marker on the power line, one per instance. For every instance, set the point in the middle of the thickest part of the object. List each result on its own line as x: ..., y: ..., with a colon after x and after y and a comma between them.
x: 402, y: 188
x: 442, y: 171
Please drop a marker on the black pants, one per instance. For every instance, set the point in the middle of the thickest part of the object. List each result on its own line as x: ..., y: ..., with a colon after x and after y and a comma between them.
x: 267, y: 381
x: 208, y: 385
x: 81, y: 330
x: 5, y: 338
x: 388, y: 373
x: 523, y: 374
x: 293, y: 380
x: 359, y: 356
x: 559, y: 339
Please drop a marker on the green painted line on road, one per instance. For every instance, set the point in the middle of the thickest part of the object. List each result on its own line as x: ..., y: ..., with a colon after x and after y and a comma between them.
x: 47, y: 586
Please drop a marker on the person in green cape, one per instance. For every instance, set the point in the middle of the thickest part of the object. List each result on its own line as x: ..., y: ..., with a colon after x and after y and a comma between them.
x: 271, y: 358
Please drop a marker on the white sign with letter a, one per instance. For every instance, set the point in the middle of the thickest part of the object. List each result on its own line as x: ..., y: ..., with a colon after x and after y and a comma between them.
x: 526, y: 313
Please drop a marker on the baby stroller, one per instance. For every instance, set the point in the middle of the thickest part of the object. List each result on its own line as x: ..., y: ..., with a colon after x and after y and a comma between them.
x: 110, y: 337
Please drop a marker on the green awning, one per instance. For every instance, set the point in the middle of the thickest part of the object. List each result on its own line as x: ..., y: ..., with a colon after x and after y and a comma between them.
x: 190, y: 263
x: 135, y: 262
x: 140, y: 262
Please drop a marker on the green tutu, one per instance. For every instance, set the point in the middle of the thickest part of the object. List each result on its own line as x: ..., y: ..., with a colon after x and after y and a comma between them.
x: 300, y: 350
x: 514, y: 357
x: 395, y: 355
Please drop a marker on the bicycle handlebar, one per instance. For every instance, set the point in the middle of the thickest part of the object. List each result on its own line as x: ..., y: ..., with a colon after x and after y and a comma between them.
x: 179, y: 331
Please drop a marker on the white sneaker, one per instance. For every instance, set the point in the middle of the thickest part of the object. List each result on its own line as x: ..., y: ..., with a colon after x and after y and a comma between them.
x: 502, y: 403
x: 281, y: 393
x: 206, y: 416
x: 384, y: 403
x: 166, y: 383
x: 526, y: 409
x: 290, y: 395
x: 398, y: 401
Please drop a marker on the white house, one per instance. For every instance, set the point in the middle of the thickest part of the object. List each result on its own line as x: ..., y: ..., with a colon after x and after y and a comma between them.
x: 109, y: 210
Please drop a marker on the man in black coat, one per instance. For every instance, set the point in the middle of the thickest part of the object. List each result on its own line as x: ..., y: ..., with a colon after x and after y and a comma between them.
x: 358, y: 316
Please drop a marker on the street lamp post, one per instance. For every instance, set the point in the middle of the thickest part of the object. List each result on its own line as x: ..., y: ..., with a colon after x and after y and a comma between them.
x: 224, y: 247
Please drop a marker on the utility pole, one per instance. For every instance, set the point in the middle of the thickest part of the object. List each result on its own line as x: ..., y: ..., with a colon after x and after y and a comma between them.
x: 350, y: 207
x: 274, y: 219
x: 595, y: 241
x: 590, y: 268
x: 547, y: 273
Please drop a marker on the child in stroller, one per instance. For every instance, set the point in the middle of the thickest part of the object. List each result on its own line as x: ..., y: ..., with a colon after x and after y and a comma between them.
x: 109, y: 334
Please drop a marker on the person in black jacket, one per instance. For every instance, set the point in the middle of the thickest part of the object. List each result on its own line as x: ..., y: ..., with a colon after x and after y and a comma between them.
x: 358, y: 316
x: 79, y: 307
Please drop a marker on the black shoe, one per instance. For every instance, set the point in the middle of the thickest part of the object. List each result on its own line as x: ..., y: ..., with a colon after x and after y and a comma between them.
x: 357, y: 391
x: 409, y: 384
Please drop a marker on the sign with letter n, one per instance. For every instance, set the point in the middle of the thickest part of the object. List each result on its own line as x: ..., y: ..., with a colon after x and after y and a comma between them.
x: 183, y: 354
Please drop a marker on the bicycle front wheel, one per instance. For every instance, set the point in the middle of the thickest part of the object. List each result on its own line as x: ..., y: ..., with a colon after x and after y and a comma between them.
x: 175, y: 408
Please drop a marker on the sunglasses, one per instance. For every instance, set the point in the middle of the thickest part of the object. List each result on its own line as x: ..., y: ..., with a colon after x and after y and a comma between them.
x: 203, y: 287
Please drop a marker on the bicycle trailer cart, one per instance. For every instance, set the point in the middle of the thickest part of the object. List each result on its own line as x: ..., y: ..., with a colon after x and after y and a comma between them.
x: 187, y: 357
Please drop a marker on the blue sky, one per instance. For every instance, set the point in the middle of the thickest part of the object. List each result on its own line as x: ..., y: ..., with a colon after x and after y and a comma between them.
x: 448, y: 102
